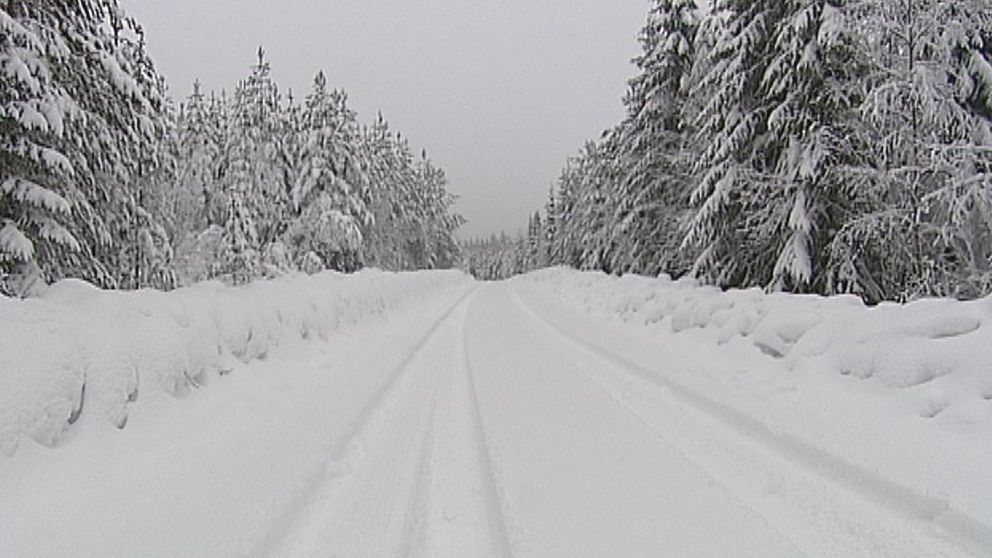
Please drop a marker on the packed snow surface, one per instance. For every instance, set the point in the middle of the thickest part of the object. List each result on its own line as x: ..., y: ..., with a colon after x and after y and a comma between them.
x: 557, y: 414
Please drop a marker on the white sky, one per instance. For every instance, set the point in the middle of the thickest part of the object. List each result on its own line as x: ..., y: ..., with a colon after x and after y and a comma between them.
x: 500, y: 92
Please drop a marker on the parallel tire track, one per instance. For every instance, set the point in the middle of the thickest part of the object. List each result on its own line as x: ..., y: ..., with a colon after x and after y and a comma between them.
x: 347, y: 452
x: 963, y: 530
x: 414, y: 523
x: 455, y: 507
x: 494, y: 497
x: 378, y: 405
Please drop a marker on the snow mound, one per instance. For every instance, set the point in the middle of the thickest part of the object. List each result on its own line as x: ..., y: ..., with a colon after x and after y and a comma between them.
x: 934, y: 350
x: 80, y: 351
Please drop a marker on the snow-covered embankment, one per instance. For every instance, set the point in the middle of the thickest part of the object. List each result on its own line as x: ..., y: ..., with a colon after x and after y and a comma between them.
x: 79, y: 350
x: 893, y: 401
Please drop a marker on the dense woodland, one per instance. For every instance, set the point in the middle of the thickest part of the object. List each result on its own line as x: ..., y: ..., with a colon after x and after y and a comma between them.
x: 825, y: 146
x: 103, y: 177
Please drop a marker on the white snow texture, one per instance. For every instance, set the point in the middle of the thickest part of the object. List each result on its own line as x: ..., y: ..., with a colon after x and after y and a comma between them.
x: 81, y: 348
x: 559, y: 413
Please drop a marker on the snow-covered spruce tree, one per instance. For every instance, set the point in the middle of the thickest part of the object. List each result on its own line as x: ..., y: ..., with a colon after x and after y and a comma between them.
x: 597, y: 202
x: 963, y: 209
x: 142, y: 253
x: 253, y: 183
x: 537, y: 249
x: 36, y: 175
x: 328, y: 194
x: 652, y: 161
x: 219, y: 126
x: 566, y: 243
x: 925, y: 229
x: 194, y: 204
x: 283, y: 255
x: 239, y: 260
x: 74, y: 114
x: 198, y: 151
x: 782, y: 78
x: 389, y: 195
x: 413, y: 225
x: 435, y: 217
x: 199, y: 194
x: 550, y: 231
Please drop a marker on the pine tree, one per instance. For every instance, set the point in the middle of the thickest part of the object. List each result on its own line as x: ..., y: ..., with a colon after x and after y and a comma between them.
x: 653, y: 164
x: 328, y: 195
x: 80, y: 103
x: 925, y: 227
x: 378, y: 244
x: 551, y: 228
x: 436, y: 219
x: 198, y: 151
x: 781, y: 75
x: 597, y: 203
x: 253, y: 183
x: 36, y: 173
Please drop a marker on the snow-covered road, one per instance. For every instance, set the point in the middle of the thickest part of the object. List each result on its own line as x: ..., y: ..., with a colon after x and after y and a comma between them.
x: 487, y: 421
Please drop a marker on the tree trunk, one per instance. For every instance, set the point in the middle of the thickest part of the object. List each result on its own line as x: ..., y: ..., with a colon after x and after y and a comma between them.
x: 12, y: 8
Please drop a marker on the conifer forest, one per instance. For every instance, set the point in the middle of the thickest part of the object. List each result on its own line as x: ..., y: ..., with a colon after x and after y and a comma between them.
x: 812, y: 146
x: 285, y: 279
x: 105, y: 178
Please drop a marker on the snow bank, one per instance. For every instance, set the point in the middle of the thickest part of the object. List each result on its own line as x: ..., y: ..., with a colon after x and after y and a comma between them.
x: 895, y: 401
x: 79, y: 350
x: 894, y: 346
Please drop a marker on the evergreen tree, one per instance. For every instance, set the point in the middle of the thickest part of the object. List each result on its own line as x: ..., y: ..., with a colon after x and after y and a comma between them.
x: 654, y: 167
x: 79, y: 103
x: 253, y: 182
x: 413, y: 221
x: 844, y: 146
x: 198, y: 150
x: 781, y: 75
x: 328, y: 195
x: 926, y: 195
x: 101, y: 179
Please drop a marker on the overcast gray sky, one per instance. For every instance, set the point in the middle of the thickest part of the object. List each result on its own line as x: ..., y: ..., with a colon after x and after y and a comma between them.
x: 499, y: 92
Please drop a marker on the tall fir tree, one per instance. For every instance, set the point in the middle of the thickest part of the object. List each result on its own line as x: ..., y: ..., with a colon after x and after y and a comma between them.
x: 80, y: 103
x: 253, y: 183
x: 924, y: 229
x: 781, y: 76
x: 328, y: 196
x: 654, y: 166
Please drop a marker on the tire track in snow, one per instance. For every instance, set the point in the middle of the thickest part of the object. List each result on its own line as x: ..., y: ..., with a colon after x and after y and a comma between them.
x: 347, y: 454
x: 345, y: 450
x: 961, y: 530
x: 494, y: 498
x: 620, y: 400
x: 413, y: 524
x: 455, y: 509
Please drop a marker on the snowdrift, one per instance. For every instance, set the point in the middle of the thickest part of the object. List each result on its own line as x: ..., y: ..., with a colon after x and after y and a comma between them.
x: 896, y: 346
x: 79, y: 350
x: 896, y: 400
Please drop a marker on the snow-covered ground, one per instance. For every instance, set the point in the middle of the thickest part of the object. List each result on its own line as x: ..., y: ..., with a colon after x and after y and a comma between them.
x: 892, y: 404
x: 557, y: 414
